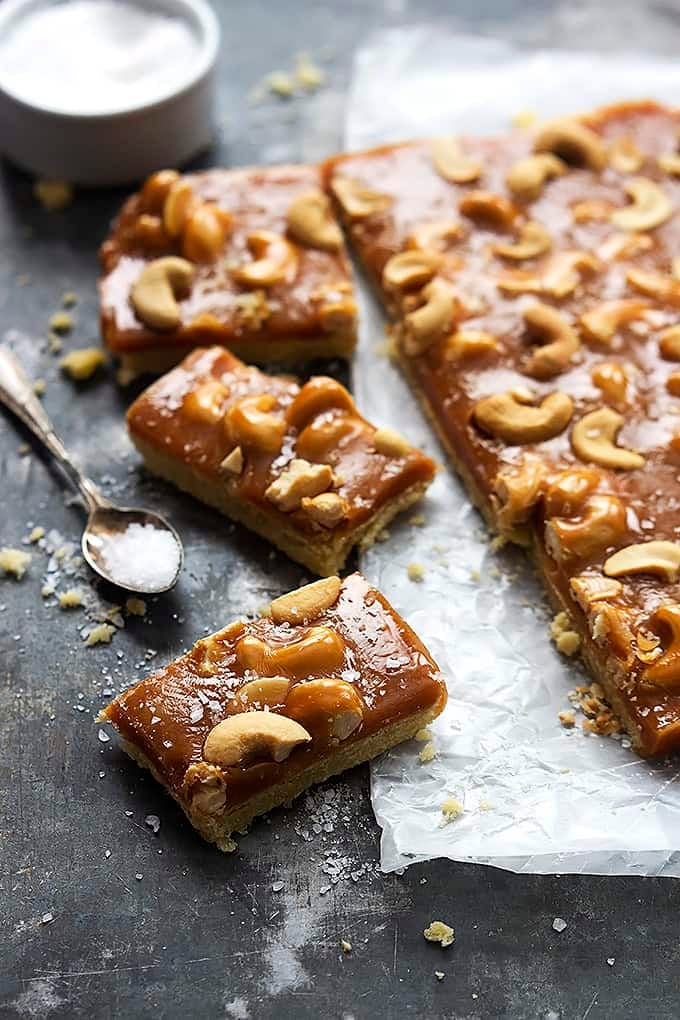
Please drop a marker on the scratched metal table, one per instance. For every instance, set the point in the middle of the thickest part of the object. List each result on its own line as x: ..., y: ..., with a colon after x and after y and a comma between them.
x: 103, y: 917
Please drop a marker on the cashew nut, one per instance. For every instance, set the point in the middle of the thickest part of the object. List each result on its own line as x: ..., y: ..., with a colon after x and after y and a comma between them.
x: 624, y: 156
x: 485, y: 207
x: 306, y: 603
x: 506, y: 417
x: 591, y: 210
x: 650, y: 206
x: 669, y: 343
x: 300, y: 478
x: 569, y: 490
x: 206, y: 402
x: 564, y: 271
x: 389, y: 443
x: 205, y: 788
x: 559, y: 341
x: 468, y: 343
x: 409, y: 269
x: 660, y: 558
x: 601, y: 322
x: 593, y: 439
x: 328, y: 707
x: 665, y: 671
x: 428, y: 323
x: 452, y: 164
x: 357, y: 201
x: 573, y: 142
x: 527, y: 177
x: 435, y: 235
x: 518, y: 489
x: 249, y: 423
x: 155, y: 190
x: 269, y: 691
x: 155, y: 292
x: 657, y: 285
x: 316, y: 396
x: 205, y: 232
x: 589, y: 588
x: 670, y: 163
x: 612, y: 379
x: 327, y: 509
x: 310, y: 221
x: 253, y: 736
x: 534, y: 240
x: 275, y: 260
x: 320, y: 650
x: 624, y: 246
x: 233, y: 462
x: 600, y: 523
x: 179, y: 201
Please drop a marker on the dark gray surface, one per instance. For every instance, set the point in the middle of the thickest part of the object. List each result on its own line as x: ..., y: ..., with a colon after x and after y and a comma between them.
x: 201, y: 934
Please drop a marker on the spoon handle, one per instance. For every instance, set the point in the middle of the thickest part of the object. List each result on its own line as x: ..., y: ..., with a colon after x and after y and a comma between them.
x: 18, y: 395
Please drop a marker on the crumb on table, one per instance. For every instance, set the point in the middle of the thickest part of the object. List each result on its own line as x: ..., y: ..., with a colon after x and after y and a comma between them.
x: 428, y: 753
x: 14, y: 561
x: 83, y: 363
x: 567, y: 641
x: 53, y: 195
x: 439, y: 931
x: 416, y: 572
x: 452, y: 808
x: 61, y: 322
x: 100, y: 634
x: 36, y: 534
x: 70, y: 599
x: 135, y: 606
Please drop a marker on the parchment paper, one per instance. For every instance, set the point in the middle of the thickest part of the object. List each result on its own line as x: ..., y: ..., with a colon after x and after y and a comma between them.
x: 537, y: 797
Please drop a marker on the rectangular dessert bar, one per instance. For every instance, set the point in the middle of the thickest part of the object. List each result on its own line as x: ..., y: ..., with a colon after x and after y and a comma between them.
x: 250, y: 258
x: 295, y: 463
x: 258, y: 712
x: 535, y: 287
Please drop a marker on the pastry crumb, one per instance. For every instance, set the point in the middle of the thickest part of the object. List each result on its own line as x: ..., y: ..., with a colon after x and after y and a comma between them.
x: 47, y: 590
x: 307, y: 74
x: 54, y: 343
x: 567, y: 641
x: 452, y: 808
x: 567, y: 718
x: 61, y: 322
x: 281, y: 84
x: 14, y: 561
x: 69, y: 298
x: 83, y: 363
x: 70, y: 599
x: 101, y: 634
x: 439, y: 931
x: 428, y: 753
x: 416, y: 572
x: 440, y: 975
x: 24, y: 450
x: 486, y: 805
x: 382, y: 535
x: 345, y: 946
x: 39, y: 387
x: 559, y: 924
x: 599, y: 715
x: 135, y: 606
x: 423, y: 735
x: 417, y: 520
x: 524, y: 118
x: 36, y: 534
x: 53, y: 195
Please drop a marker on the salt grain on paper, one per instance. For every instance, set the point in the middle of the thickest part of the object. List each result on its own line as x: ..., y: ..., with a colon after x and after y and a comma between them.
x: 142, y: 557
x: 154, y: 823
x: 559, y: 924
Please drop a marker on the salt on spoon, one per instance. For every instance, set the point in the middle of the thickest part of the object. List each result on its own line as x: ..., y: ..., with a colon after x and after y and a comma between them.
x: 135, y: 549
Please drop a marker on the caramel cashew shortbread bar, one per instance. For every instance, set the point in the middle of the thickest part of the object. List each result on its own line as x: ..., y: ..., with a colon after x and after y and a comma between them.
x: 296, y: 463
x: 535, y: 287
x: 258, y: 712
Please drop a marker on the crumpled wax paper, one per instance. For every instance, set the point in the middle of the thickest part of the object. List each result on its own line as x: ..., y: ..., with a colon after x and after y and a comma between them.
x: 537, y: 797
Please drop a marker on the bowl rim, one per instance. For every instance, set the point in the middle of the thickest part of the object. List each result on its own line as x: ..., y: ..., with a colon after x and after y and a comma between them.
x: 199, y: 12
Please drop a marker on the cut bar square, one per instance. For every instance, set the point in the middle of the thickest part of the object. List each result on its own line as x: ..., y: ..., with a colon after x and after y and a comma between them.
x: 295, y: 463
x: 250, y: 258
x: 258, y: 712
x: 533, y: 281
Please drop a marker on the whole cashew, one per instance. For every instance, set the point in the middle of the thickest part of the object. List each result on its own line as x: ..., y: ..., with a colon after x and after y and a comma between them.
x: 303, y: 604
x: 589, y: 588
x: 601, y: 322
x: 599, y: 524
x: 612, y: 379
x: 428, y: 323
x: 178, y: 203
x: 665, y: 671
x: 661, y: 558
x: 485, y: 207
x: 310, y: 221
x: 564, y: 271
x: 275, y: 261
x: 155, y: 292
x: 534, y: 240
x: 250, y: 423
x: 650, y: 206
x: 560, y: 341
x: 452, y: 164
x: 518, y: 489
x: 669, y: 343
x: 319, y: 650
x: 251, y: 736
x: 357, y: 201
x: 409, y: 269
x: 505, y: 417
x: 670, y: 163
x: 573, y: 142
x: 468, y: 343
x: 527, y: 177
x: 436, y: 234
x: 657, y: 285
x: 593, y: 439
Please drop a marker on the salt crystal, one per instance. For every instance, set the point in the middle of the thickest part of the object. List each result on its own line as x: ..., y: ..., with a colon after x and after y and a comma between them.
x: 103, y: 736
x: 47, y: 918
x: 142, y: 557
x: 139, y: 876
x: 154, y: 823
x: 559, y: 924
x: 107, y: 854
x: 277, y: 886
x: 611, y: 960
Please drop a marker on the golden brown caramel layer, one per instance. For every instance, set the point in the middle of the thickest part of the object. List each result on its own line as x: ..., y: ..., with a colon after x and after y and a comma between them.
x: 348, y: 672
x: 266, y: 257
x: 538, y: 312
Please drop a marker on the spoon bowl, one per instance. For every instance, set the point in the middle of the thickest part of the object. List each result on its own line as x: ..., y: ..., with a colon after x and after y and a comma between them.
x: 132, y: 548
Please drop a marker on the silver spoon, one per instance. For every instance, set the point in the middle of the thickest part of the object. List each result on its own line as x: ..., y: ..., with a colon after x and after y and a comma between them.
x: 106, y: 522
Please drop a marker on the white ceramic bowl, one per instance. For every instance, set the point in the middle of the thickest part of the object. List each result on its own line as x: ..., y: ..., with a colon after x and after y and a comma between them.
x: 98, y: 149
